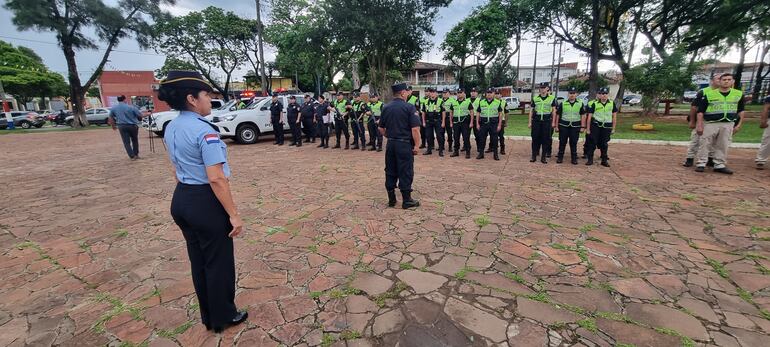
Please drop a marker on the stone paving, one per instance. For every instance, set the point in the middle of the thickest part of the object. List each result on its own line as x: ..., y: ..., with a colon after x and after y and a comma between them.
x: 646, y: 253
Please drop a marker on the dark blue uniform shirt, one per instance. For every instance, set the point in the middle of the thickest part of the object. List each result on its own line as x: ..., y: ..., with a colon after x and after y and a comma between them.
x: 398, y: 119
x: 276, y: 107
x: 292, y: 112
x: 307, y: 110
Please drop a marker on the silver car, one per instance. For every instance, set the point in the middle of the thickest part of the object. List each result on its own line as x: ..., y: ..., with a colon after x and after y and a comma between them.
x: 95, y: 116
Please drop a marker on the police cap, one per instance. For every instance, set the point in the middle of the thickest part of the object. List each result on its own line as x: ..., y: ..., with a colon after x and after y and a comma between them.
x: 446, y: 90
x: 474, y: 89
x: 544, y: 85
x: 374, y: 95
x: 572, y: 90
x: 307, y: 96
x: 356, y: 94
x: 186, y: 79
x: 490, y: 90
x: 399, y: 87
x: 603, y: 90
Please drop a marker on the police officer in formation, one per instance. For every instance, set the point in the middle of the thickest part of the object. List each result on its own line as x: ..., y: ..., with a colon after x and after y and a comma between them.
x: 276, y: 119
x: 399, y: 123
x: 307, y: 115
x: 475, y: 102
x: 541, y: 122
x: 462, y: 118
x: 602, y: 115
x: 360, y: 109
x: 202, y: 205
x: 434, y: 121
x: 448, y: 103
x: 692, y: 118
x: 292, y: 116
x: 342, y: 110
x: 501, y: 133
x: 375, y: 112
x: 323, y: 120
x: 489, y: 120
x: 720, y: 115
x: 570, y: 122
x: 764, y: 148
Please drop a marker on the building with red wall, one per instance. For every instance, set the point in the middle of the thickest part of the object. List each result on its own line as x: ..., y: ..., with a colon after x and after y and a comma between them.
x: 139, y: 86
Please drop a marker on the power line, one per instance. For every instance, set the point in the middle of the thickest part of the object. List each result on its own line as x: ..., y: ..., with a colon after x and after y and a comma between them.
x: 55, y: 43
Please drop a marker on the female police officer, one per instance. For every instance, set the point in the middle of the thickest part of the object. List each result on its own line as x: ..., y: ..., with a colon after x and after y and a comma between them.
x: 202, y: 205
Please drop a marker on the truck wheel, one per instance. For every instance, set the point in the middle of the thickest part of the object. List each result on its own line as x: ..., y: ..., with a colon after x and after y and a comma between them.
x: 247, y: 134
x: 25, y: 125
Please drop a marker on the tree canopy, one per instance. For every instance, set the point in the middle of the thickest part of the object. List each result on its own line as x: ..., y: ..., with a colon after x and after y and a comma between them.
x: 24, y: 75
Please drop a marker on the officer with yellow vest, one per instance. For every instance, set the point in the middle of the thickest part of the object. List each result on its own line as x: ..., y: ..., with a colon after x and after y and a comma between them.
x: 717, y: 114
x: 342, y: 110
x: 357, y: 122
x: 501, y: 133
x: 541, y: 118
x: 489, y: 121
x: 416, y: 101
x: 448, y: 103
x: 601, y: 120
x: 434, y: 121
x: 570, y: 122
x: 475, y: 102
x: 692, y: 148
x: 461, y: 122
x: 374, y: 112
x: 764, y: 148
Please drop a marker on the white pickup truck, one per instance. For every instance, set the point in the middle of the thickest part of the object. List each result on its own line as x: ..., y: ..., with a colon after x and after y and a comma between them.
x: 161, y: 119
x: 248, y: 124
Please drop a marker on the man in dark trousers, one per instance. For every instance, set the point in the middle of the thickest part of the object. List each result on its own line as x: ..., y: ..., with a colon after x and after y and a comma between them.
x: 276, y: 119
x: 125, y: 118
x: 601, y: 119
x: 433, y: 119
x: 399, y: 123
x: 463, y: 117
x: 375, y: 113
x: 357, y: 122
x: 541, y: 121
x: 342, y: 109
x: 323, y: 120
x: 489, y: 121
x: 292, y: 116
x: 569, y: 123
x: 308, y: 126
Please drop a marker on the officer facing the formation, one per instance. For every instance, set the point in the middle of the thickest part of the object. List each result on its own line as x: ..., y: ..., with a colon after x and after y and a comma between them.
x: 357, y: 122
x: 399, y: 123
x: 692, y: 118
x: 126, y: 118
x: 433, y: 119
x: 276, y: 119
x: 308, y: 125
x: 375, y: 112
x: 342, y: 108
x: 764, y: 148
x: 541, y: 121
x: 601, y: 121
x: 718, y: 112
x: 489, y: 121
x: 202, y: 205
x: 323, y: 120
x: 292, y: 116
x: 570, y: 122
x: 461, y: 124
x: 501, y: 133
x: 448, y: 104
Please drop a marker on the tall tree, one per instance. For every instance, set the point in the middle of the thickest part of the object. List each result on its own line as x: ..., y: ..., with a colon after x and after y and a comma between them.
x: 212, y: 40
x: 71, y: 21
x: 24, y: 75
x: 661, y: 78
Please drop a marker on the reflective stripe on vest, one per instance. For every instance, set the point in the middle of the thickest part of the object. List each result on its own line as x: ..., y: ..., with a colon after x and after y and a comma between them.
x: 413, y: 100
x: 543, y: 105
x: 722, y: 108
x: 571, y: 112
x: 602, y: 112
x: 489, y: 109
x: 376, y: 108
x: 462, y: 108
x: 357, y: 106
x: 433, y: 106
x: 340, y: 105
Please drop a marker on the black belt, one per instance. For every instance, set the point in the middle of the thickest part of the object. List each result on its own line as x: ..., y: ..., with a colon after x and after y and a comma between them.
x: 486, y: 120
x: 409, y: 141
x: 602, y: 124
x: 575, y: 124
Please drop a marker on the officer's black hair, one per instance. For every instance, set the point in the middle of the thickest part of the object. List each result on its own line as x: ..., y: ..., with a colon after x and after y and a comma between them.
x: 293, y: 97
x: 121, y: 98
x: 321, y: 97
x: 726, y: 75
x: 176, y: 98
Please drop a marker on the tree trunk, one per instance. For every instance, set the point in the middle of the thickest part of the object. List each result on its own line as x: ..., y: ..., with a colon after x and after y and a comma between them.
x: 77, y: 93
x: 758, y: 78
x: 261, y: 50
x: 593, y: 80
x: 739, y: 68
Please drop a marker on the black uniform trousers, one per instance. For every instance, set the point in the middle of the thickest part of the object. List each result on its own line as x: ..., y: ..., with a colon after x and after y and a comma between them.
x: 587, y: 144
x: 277, y: 128
x: 501, y: 135
x: 423, y: 139
x: 309, y: 129
x: 434, y: 130
x: 375, y: 138
x: 129, y: 134
x: 341, y: 127
x: 488, y: 128
x: 449, y: 132
x: 476, y: 135
x: 569, y: 133
x: 462, y: 128
x: 600, y: 137
x: 399, y: 165
x: 205, y: 226
x: 541, y: 135
x: 359, y: 134
x: 323, y: 132
x: 296, y: 131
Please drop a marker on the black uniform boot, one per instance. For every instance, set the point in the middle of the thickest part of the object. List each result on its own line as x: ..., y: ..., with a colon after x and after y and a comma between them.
x: 379, y: 149
x: 347, y: 145
x: 590, y: 160
x: 543, y: 159
x: 454, y: 154
x: 489, y: 150
x: 355, y: 146
x: 428, y: 152
x: 532, y: 159
x: 422, y: 145
x: 408, y: 202
x: 440, y: 153
x: 605, y: 163
x: 710, y: 162
x: 574, y: 159
x: 495, y: 156
x: 688, y: 162
x: 559, y: 159
x: 502, y: 150
x: 467, y: 154
x: 374, y: 148
x: 337, y: 145
x: 392, y: 198
x: 480, y: 155
x: 321, y: 145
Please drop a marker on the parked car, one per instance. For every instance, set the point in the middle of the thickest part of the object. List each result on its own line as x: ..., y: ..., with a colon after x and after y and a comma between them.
x: 690, y: 95
x: 635, y: 100
x: 628, y: 97
x: 157, y: 122
x: 511, y: 102
x: 247, y: 125
x: 95, y: 116
x: 24, y: 119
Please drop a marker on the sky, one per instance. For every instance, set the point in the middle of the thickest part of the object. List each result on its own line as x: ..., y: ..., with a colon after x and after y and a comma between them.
x: 128, y: 55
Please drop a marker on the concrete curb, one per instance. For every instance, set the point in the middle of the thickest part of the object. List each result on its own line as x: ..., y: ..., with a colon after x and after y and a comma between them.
x: 651, y: 142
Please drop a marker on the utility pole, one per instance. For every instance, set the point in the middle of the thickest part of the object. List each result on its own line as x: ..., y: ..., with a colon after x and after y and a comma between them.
x: 518, y: 61
x: 534, y: 69
x: 261, y: 49
x: 558, y: 71
x: 553, y: 58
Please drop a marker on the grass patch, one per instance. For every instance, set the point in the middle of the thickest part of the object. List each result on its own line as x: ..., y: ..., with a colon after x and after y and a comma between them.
x: 462, y: 273
x: 274, y: 230
x: 482, y: 221
x: 587, y: 227
x: 756, y: 230
x: 765, y: 313
x: 405, y: 266
x: 688, y: 197
x: 621, y: 344
x: 342, y: 293
x: 540, y: 296
x: 327, y: 340
x: 762, y: 269
x: 117, y: 308
x: 177, y: 331
x: 390, y: 294
x: 753, y: 256
x: 313, y: 248
x: 350, y: 335
x: 686, y: 341
x: 746, y: 296
x: 613, y: 316
x: 194, y: 307
x: 361, y: 267
x: 121, y: 233
x: 316, y: 295
x: 588, y: 324
x: 515, y: 277
x: 718, y: 267
x: 548, y: 223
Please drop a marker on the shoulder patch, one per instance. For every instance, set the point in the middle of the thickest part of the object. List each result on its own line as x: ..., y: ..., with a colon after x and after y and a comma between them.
x: 211, y: 138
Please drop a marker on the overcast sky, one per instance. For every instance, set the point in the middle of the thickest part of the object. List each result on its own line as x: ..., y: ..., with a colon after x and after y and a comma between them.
x: 128, y: 56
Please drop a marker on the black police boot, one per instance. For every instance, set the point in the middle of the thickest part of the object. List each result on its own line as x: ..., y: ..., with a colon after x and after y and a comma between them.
x: 347, y: 145
x: 724, y: 170
x: 584, y: 156
x: 374, y: 148
x: 688, y: 162
x: 455, y: 153
x: 502, y: 150
x: 532, y: 159
x: 355, y: 146
x: 590, y: 160
x: 710, y: 162
x: 468, y: 154
x: 543, y: 159
x: 700, y: 168
x: 379, y: 149
x: 559, y: 158
x: 321, y: 145
x: 392, y: 198
x: 440, y: 152
x: 574, y: 159
x: 495, y: 156
x: 422, y: 146
x: 428, y: 152
x: 605, y: 163
x: 337, y: 145
x: 489, y: 150
x: 408, y: 202
x: 480, y: 155
x: 299, y: 144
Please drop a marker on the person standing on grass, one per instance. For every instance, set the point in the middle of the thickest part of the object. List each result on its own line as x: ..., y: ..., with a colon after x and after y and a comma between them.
x: 718, y: 112
x: 764, y: 149
x: 125, y: 118
x: 601, y: 121
x: 692, y: 118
